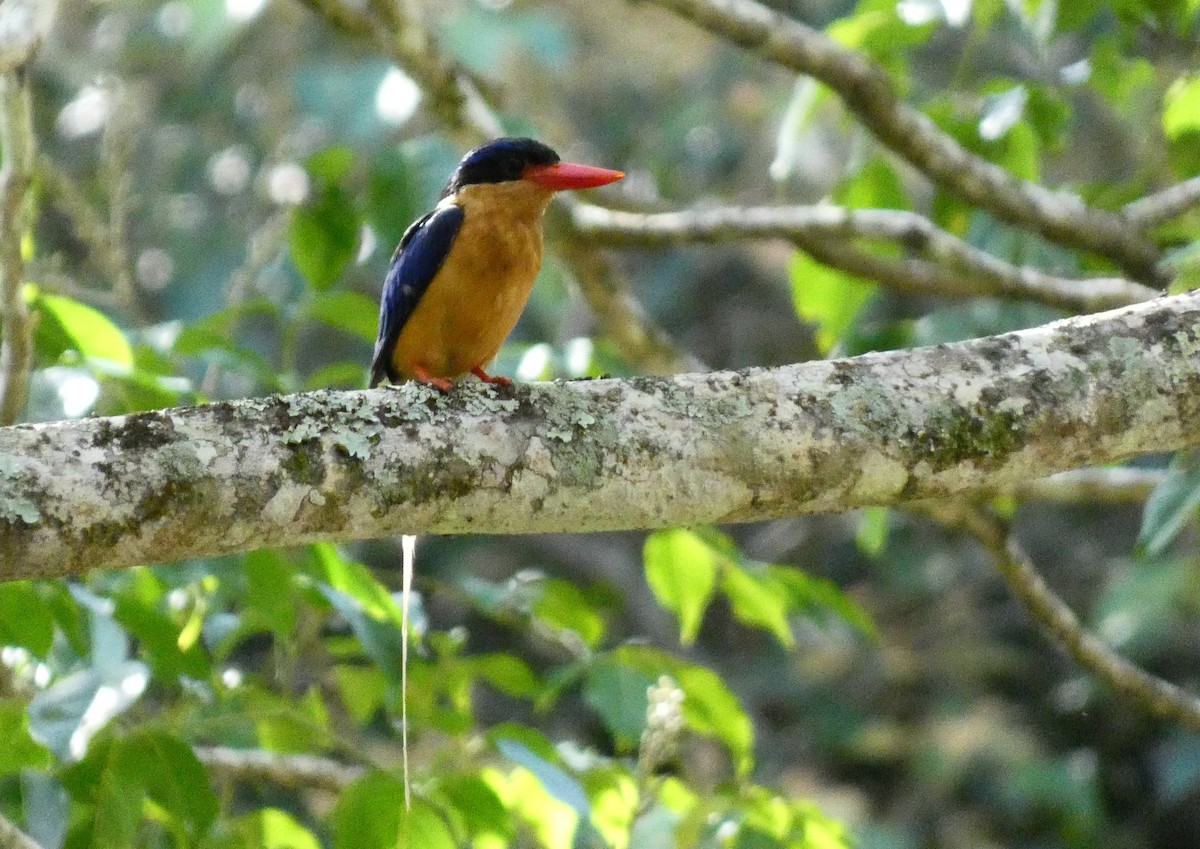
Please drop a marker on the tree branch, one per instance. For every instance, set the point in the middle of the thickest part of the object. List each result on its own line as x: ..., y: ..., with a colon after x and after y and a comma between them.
x: 870, y: 94
x: 1162, y: 206
x: 1116, y: 485
x: 455, y: 98
x: 971, y: 271
x: 12, y: 837
x: 300, y: 771
x: 16, y: 326
x: 1153, y: 694
x: 600, y: 455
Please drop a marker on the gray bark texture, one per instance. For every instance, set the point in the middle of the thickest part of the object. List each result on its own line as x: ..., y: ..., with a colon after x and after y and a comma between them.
x: 885, y: 428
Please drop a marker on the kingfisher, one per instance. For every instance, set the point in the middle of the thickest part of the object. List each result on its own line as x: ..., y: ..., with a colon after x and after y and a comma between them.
x: 461, y: 274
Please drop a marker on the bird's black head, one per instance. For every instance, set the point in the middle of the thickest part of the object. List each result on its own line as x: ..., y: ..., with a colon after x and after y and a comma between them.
x: 499, y: 161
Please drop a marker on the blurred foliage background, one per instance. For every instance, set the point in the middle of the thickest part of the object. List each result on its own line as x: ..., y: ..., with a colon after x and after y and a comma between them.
x: 221, y: 185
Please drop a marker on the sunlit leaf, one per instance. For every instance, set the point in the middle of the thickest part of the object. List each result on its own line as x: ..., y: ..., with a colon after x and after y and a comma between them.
x: 614, y: 801
x: 758, y: 599
x: 1181, y: 112
x: 480, y: 808
x: 557, y: 782
x: 271, y: 828
x: 563, y: 605
x: 139, y: 604
x: 66, y: 323
x: 286, y: 724
x: 270, y: 600
x: 331, y: 165
x: 682, y: 572
x: 828, y: 298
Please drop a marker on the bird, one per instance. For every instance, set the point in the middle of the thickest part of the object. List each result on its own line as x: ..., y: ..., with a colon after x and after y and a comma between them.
x: 461, y: 275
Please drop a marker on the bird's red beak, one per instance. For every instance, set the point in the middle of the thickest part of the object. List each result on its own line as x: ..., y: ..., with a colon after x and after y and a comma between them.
x: 567, y: 175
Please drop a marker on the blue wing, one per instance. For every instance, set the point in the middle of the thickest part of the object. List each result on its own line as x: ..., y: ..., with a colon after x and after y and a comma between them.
x: 420, y: 254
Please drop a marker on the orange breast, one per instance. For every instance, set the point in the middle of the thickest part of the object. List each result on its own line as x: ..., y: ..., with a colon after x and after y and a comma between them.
x: 478, y: 294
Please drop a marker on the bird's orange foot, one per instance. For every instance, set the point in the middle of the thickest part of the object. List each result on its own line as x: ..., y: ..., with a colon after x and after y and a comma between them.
x: 441, y: 384
x: 487, y: 378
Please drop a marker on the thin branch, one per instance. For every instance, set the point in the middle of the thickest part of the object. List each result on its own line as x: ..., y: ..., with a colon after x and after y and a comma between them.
x: 454, y: 97
x: 971, y: 271
x: 295, y: 771
x: 1153, y: 694
x: 264, y: 247
x: 1113, y: 485
x: 121, y: 133
x: 1162, y: 206
x: 870, y: 94
x: 618, y: 312
x: 16, y: 325
x: 12, y: 837
x: 887, y: 428
x: 105, y: 245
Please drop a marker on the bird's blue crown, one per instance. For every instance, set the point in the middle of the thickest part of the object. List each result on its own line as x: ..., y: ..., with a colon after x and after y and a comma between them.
x: 499, y: 161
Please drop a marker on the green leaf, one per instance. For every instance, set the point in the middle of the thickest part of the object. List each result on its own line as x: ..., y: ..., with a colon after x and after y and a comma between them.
x: 827, y: 298
x: 395, y: 195
x: 25, y: 619
x: 618, y: 694
x: 271, y: 828
x: 270, y: 599
x: 875, y: 185
x: 557, y: 782
x: 810, y: 594
x: 67, y: 324
x: 682, y: 572
x: 614, y: 798
x: 872, y: 534
x: 370, y: 815
x: 759, y: 600
x: 480, y: 808
x: 508, y: 674
x: 363, y: 690
x: 330, y: 166
x: 20, y: 751
x: 1181, y: 107
x: 285, y: 724
x: 352, y: 312
x: 424, y: 827
x: 563, y: 605
x: 323, y: 236
x: 1172, y: 504
x: 357, y: 581
x: 137, y: 608
x: 118, y: 777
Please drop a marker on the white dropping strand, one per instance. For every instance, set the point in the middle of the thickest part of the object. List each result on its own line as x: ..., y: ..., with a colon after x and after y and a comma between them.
x: 408, y: 545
